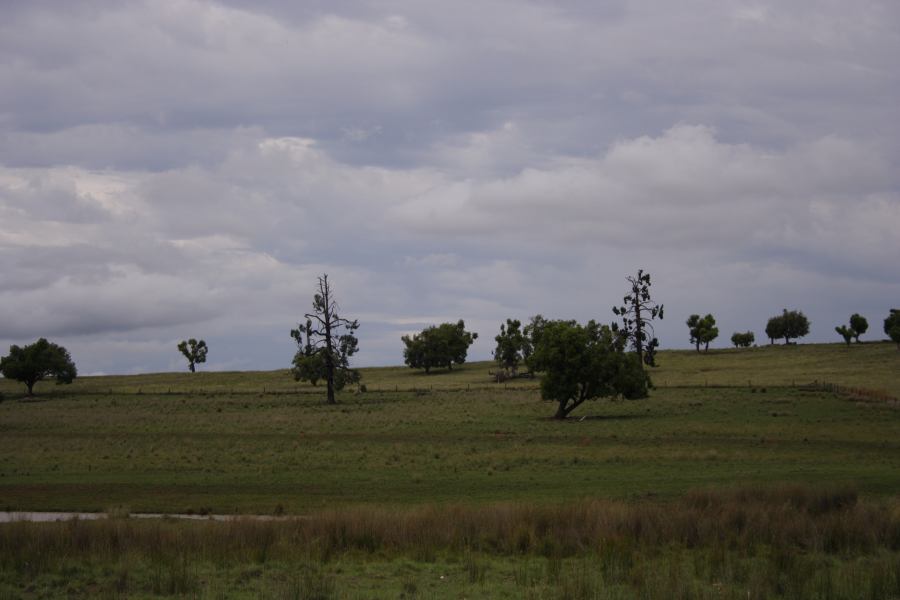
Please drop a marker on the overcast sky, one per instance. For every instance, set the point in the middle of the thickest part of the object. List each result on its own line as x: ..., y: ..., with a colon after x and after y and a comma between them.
x: 175, y: 169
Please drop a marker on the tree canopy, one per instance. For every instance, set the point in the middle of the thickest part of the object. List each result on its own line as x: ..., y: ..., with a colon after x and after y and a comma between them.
x: 845, y: 332
x: 858, y: 325
x: 438, y: 346
x: 638, y: 311
x: 703, y: 330
x: 582, y: 363
x: 325, y: 344
x: 513, y: 346
x: 892, y: 326
x: 38, y: 361
x: 790, y: 324
x: 743, y: 340
x: 194, y: 351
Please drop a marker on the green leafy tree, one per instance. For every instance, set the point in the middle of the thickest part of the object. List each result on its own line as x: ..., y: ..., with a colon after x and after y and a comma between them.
x: 308, y: 365
x: 703, y: 330
x: 638, y: 311
x: 582, y: 363
x: 513, y: 346
x: 743, y: 340
x: 796, y: 325
x: 194, y: 351
x: 845, y: 332
x: 326, y: 342
x: 533, y: 332
x: 775, y: 329
x: 438, y: 346
x: 36, y: 362
x: 859, y: 325
x: 892, y: 326
x: 791, y: 324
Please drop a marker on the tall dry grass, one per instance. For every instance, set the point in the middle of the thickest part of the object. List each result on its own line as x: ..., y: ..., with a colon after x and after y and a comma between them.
x: 782, y: 519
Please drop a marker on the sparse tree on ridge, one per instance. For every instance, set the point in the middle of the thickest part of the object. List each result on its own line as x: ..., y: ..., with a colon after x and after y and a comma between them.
x: 703, y: 330
x: 845, y: 332
x: 438, y: 346
x: 329, y: 344
x: 638, y: 312
x: 582, y: 363
x: 892, y: 326
x: 36, y: 362
x: 194, y: 351
x: 859, y: 325
x: 743, y: 340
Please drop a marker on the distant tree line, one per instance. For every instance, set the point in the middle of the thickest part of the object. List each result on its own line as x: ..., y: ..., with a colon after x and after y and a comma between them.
x: 579, y: 362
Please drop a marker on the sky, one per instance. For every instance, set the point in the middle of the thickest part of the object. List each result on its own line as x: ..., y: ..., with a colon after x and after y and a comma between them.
x: 177, y: 168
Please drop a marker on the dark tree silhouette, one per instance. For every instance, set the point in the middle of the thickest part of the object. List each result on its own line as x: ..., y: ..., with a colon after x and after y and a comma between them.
x: 329, y: 344
x: 441, y: 346
x: 858, y: 325
x: 638, y: 312
x: 36, y: 362
x: 194, y: 351
x: 703, y: 330
x: 892, y: 326
x: 742, y: 340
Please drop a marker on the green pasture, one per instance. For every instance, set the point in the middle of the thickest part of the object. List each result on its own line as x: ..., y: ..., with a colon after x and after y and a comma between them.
x: 261, y: 443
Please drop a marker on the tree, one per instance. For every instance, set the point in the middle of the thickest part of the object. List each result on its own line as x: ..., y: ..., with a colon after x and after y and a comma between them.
x: 581, y: 363
x: 513, y: 346
x: 441, y: 346
x: 329, y: 344
x: 859, y: 325
x: 845, y: 332
x: 308, y: 365
x: 892, y: 326
x: 791, y: 324
x: 795, y: 323
x: 533, y: 332
x: 194, y: 352
x: 743, y: 340
x: 638, y: 312
x: 703, y: 330
x: 774, y: 329
x: 36, y: 362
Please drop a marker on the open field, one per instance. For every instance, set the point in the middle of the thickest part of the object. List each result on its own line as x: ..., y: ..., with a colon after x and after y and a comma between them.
x: 394, y: 467
x: 239, y: 442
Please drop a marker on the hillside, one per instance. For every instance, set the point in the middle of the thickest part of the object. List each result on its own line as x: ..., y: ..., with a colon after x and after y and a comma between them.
x: 251, y: 442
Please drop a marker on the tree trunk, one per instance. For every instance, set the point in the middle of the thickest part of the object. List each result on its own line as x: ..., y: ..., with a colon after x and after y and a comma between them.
x: 561, y: 412
x: 191, y: 366
x: 30, y: 386
x: 329, y: 357
x: 706, y: 347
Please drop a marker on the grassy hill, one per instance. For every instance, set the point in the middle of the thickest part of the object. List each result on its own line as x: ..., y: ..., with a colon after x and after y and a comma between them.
x: 452, y: 486
x: 251, y: 442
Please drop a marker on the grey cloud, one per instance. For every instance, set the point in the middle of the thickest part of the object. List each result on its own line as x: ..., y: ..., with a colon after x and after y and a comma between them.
x: 172, y: 169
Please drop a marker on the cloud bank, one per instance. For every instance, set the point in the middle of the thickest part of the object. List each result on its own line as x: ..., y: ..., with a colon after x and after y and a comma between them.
x: 187, y: 169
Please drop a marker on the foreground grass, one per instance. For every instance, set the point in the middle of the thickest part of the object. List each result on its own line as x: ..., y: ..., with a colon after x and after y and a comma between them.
x: 788, y: 542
